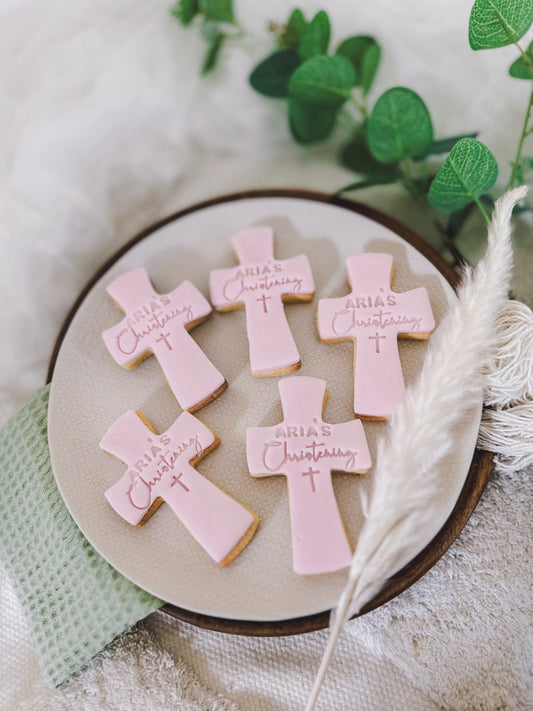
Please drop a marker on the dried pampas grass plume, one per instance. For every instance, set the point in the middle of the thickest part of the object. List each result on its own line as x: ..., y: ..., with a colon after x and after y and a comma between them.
x: 406, y: 481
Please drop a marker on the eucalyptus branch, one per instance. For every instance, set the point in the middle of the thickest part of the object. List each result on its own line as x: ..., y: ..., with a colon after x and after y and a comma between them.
x: 410, y: 185
x: 525, y: 132
x: 327, y: 87
x: 430, y: 213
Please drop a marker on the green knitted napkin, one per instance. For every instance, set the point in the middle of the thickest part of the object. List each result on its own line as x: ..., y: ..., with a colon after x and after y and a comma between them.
x: 76, y: 603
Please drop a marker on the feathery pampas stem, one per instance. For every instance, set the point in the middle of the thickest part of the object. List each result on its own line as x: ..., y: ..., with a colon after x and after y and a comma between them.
x: 406, y: 481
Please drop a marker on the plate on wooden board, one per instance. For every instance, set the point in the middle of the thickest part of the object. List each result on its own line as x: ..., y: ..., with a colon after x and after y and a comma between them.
x: 258, y: 593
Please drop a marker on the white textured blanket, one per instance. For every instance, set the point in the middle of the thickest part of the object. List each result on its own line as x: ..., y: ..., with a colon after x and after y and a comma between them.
x: 105, y: 126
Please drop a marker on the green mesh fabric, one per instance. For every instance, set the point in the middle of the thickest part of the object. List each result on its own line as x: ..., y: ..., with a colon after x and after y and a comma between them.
x: 75, y: 602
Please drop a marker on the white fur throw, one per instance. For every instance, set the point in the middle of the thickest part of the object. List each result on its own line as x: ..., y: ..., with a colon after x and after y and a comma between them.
x: 106, y: 125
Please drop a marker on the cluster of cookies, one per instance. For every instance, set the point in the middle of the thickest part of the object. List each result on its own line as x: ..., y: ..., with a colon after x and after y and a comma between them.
x: 302, y: 446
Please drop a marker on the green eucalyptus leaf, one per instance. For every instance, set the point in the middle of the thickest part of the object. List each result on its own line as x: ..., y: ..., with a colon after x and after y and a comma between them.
x: 315, y: 36
x: 271, y: 77
x: 365, y: 54
x: 310, y: 124
x: 497, y: 23
x: 354, y: 49
x: 369, y: 67
x: 399, y: 126
x: 522, y: 68
x: 361, y: 184
x: 323, y: 81
x: 292, y: 32
x: 356, y: 156
x: 297, y: 22
x: 217, y: 10
x: 185, y: 11
x: 214, y: 46
x: 466, y: 174
x: 444, y: 145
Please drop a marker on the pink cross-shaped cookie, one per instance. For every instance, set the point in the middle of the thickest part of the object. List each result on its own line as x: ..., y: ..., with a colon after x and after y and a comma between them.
x: 160, y: 468
x: 262, y: 284
x: 306, y: 449
x: 159, y: 324
x: 374, y: 317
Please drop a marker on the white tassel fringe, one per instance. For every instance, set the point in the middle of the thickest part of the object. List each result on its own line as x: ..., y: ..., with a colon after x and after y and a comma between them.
x: 507, y: 428
x: 510, y: 375
x: 509, y: 433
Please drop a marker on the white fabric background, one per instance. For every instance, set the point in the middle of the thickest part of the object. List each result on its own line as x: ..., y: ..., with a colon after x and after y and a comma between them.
x: 105, y: 125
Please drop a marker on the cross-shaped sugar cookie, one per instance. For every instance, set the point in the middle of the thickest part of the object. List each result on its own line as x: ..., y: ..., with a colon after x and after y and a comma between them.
x: 160, y: 468
x: 374, y: 317
x: 262, y: 284
x: 159, y: 324
x: 306, y: 449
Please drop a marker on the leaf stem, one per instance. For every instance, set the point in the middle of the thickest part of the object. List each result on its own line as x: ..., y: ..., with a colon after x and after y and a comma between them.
x: 347, y: 122
x: 528, y: 61
x: 359, y: 106
x: 430, y: 214
x: 482, y: 210
x: 409, y: 184
x: 525, y: 132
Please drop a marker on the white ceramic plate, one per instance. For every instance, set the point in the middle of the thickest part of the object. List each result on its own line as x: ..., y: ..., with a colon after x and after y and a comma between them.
x: 89, y: 392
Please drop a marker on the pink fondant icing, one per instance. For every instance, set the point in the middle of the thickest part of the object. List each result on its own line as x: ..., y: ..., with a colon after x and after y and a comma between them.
x: 375, y: 316
x: 260, y: 283
x: 307, y: 450
x: 157, y: 323
x: 159, y: 468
